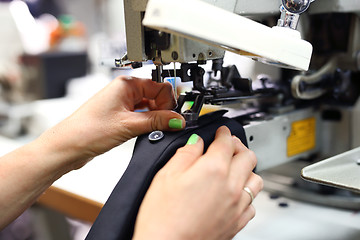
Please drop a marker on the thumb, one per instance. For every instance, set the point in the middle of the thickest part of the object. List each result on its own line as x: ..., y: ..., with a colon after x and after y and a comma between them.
x: 163, y: 120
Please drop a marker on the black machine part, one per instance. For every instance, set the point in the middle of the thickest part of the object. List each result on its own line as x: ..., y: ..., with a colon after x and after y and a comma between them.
x: 117, y: 218
x: 232, y: 87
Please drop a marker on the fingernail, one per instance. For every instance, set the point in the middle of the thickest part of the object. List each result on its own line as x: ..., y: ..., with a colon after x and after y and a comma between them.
x: 193, y: 139
x: 175, y: 123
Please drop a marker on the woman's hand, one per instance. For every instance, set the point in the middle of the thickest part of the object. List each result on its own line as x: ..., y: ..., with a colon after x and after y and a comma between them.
x: 196, y: 196
x: 108, y: 119
x: 105, y: 121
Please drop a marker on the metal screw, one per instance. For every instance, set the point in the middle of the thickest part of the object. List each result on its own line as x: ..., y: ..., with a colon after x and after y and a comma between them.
x: 174, y: 55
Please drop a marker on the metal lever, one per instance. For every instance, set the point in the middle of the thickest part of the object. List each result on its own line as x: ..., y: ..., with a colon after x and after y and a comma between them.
x: 290, y: 12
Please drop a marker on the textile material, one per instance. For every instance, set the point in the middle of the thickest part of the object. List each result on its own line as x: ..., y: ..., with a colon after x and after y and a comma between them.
x: 117, y: 218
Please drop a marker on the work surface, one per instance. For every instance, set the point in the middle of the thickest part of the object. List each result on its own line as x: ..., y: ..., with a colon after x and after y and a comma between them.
x: 299, y: 221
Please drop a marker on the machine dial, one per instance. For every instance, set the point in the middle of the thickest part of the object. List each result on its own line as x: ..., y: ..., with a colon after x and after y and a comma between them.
x: 296, y: 6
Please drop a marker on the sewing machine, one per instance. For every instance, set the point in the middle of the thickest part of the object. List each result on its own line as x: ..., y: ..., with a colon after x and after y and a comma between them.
x: 309, y: 113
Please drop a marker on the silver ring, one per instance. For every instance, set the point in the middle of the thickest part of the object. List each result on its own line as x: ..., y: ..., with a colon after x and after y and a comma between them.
x: 246, y: 189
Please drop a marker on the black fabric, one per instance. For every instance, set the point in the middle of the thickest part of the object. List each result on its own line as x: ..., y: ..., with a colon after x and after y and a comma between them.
x: 117, y: 218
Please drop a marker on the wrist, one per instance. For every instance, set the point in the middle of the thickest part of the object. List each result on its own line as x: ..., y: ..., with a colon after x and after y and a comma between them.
x: 63, y: 148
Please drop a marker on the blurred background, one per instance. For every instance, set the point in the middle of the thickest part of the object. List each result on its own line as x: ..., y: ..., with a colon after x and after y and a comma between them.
x: 50, y: 63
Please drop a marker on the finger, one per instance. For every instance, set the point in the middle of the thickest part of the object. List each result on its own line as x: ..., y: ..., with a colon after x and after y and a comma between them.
x: 222, y: 148
x: 246, y: 216
x: 239, y: 146
x: 255, y: 184
x: 186, y: 156
x: 144, y: 122
x: 162, y: 93
x: 144, y: 104
x: 242, y: 165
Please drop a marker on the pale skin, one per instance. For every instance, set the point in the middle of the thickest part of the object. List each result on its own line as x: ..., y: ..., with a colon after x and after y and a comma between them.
x: 186, y: 182
x: 215, y: 206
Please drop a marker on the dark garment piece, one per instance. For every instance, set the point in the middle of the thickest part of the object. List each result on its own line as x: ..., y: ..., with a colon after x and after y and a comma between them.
x: 20, y: 229
x: 117, y: 218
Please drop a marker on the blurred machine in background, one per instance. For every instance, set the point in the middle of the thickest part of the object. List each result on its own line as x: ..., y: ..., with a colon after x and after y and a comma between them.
x: 38, y: 58
x: 301, y: 116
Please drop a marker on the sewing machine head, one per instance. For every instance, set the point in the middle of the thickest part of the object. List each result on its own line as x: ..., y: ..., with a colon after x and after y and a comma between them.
x: 176, y: 31
x: 192, y: 32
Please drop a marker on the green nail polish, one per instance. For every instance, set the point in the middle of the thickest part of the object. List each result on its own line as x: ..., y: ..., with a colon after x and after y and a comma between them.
x: 192, y: 139
x: 175, y: 123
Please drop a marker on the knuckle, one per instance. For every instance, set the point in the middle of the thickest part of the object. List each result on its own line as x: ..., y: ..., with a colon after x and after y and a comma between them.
x: 252, y: 157
x: 181, y: 151
x: 252, y: 211
x: 235, y: 193
x: 120, y: 78
x: 155, y: 125
x: 246, y: 216
x: 161, y: 174
x: 257, y: 183
x: 217, y: 170
x: 185, y: 153
x: 260, y: 182
x: 167, y: 87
